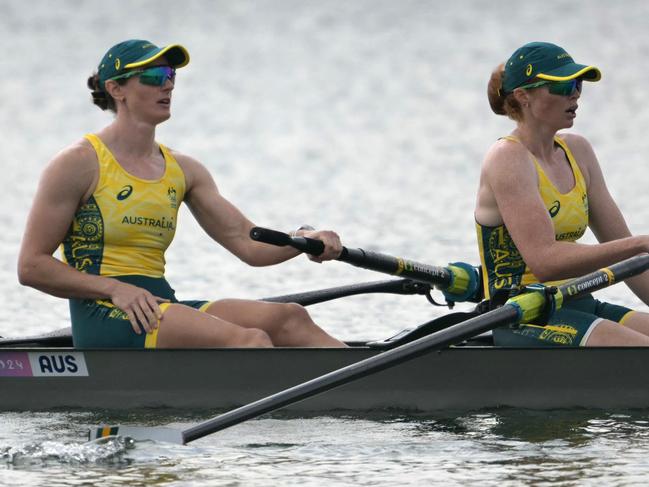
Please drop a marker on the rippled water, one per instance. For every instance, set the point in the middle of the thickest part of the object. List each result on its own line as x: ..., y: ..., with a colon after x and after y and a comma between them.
x: 508, y: 447
x: 369, y: 117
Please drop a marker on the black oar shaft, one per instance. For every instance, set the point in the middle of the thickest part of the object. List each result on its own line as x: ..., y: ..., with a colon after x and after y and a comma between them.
x: 372, y: 365
x: 397, y: 266
x: 394, y: 286
x: 521, y: 308
x: 607, y: 276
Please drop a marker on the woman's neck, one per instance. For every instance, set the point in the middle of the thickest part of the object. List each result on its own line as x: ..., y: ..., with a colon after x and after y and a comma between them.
x: 129, y: 136
x: 538, y: 140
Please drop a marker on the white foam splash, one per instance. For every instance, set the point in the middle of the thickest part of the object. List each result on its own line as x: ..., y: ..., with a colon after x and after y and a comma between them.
x: 53, y: 452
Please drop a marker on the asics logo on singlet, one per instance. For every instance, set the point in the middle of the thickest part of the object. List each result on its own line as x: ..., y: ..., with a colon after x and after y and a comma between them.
x: 554, y: 209
x: 125, y: 192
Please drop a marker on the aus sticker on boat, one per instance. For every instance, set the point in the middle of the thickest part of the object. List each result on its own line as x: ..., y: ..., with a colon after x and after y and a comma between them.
x: 35, y: 364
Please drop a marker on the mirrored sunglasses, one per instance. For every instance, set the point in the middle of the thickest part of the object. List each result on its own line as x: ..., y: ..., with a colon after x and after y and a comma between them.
x: 561, y: 88
x: 153, y: 76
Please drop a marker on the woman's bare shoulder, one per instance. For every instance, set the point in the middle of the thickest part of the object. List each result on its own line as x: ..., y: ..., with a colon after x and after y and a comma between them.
x: 583, y: 152
x: 78, y: 154
x: 506, y: 155
x: 577, y: 143
x: 183, y: 159
x: 194, y: 170
x: 74, y: 167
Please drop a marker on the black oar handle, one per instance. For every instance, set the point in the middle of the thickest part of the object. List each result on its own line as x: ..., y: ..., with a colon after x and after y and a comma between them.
x: 281, y: 239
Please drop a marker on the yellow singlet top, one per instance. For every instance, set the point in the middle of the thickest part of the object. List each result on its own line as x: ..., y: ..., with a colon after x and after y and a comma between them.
x: 502, y: 264
x: 127, y: 224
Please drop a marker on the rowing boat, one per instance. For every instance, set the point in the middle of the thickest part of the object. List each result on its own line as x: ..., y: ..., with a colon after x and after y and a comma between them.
x: 447, y: 363
x: 470, y: 376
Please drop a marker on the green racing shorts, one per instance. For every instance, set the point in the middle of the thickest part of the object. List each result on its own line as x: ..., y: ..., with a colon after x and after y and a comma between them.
x: 98, y: 323
x: 569, y: 326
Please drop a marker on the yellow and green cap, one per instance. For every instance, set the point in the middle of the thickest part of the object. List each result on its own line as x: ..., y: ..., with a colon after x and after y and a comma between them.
x: 544, y: 61
x: 135, y: 53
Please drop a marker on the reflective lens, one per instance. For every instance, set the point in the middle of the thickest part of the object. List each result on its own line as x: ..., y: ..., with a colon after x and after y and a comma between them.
x: 565, y: 88
x: 154, y: 76
x: 561, y: 88
x: 157, y: 75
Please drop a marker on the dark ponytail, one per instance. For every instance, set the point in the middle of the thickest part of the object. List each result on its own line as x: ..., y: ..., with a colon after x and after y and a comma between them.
x: 99, y: 97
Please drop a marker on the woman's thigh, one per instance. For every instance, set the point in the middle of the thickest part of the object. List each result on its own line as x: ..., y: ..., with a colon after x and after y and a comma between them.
x: 572, y: 328
x: 185, y: 327
x: 565, y: 328
x: 257, y: 314
x: 611, y: 334
x: 287, y: 324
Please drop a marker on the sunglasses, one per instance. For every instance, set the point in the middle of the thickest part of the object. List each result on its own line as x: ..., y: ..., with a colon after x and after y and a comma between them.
x: 154, y: 76
x: 561, y: 88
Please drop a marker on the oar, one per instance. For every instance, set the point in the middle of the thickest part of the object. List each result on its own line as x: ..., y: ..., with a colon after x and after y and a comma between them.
x: 525, y: 308
x: 393, y: 286
x: 459, y: 281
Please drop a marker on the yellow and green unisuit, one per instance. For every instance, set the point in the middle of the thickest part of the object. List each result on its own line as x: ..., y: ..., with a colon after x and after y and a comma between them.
x: 504, y: 268
x: 123, y: 231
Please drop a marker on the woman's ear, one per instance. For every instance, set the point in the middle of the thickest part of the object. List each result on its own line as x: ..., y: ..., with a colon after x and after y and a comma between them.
x: 114, y: 89
x: 522, y: 97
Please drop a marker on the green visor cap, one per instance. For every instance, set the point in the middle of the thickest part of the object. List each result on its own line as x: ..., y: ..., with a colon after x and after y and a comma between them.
x: 544, y: 61
x: 135, y: 53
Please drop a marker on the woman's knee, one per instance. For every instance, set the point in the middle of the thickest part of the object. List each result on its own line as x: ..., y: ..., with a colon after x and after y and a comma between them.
x: 296, y: 312
x: 254, y: 337
x: 637, y: 321
x: 294, y: 321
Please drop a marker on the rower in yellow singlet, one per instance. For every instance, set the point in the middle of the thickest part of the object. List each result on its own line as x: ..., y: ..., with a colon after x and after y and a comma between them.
x: 110, y: 202
x: 499, y: 256
x: 539, y: 191
x: 504, y: 269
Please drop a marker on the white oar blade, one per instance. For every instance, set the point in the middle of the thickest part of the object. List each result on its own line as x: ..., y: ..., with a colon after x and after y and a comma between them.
x: 138, y: 433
